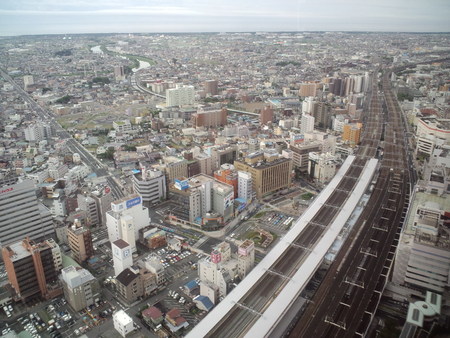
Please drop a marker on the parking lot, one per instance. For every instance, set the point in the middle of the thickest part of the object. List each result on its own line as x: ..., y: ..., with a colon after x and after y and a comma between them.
x: 50, y: 320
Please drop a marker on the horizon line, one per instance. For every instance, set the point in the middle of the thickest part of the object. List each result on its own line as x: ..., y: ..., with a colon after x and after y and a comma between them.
x: 235, y: 32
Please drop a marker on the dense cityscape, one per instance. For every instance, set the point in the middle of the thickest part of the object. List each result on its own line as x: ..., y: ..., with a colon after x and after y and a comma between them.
x: 265, y: 184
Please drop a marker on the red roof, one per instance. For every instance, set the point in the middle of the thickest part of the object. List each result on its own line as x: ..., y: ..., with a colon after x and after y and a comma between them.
x: 152, y: 312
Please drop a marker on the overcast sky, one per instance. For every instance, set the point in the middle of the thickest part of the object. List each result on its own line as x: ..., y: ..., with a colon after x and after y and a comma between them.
x: 19, y: 17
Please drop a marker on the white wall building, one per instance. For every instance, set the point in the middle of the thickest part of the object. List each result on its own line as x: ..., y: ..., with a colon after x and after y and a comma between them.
x: 307, y: 124
x: 122, y: 256
x: 131, y: 206
x: 123, y: 323
x: 150, y: 184
x: 180, y: 96
x: 245, y: 190
x: 127, y: 229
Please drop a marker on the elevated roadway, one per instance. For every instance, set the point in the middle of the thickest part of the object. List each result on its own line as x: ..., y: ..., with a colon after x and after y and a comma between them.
x: 267, y: 292
x: 91, y: 161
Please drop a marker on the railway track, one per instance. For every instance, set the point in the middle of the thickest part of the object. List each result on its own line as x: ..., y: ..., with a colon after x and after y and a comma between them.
x: 346, y: 300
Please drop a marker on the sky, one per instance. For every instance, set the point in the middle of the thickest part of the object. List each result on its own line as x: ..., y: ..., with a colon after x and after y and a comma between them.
x: 27, y: 17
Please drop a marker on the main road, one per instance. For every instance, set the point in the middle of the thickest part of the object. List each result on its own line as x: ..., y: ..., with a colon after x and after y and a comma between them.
x: 91, y: 161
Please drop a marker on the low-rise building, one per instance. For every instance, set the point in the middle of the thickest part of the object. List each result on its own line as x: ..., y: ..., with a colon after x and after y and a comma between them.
x: 123, y: 323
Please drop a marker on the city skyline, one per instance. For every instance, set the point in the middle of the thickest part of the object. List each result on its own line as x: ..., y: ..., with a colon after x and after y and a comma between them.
x: 28, y: 17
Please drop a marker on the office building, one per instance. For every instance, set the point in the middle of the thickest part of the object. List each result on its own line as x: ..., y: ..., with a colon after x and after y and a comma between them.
x: 245, y: 190
x: 80, y: 242
x: 88, y: 204
x: 150, y: 184
x: 300, y: 154
x: 309, y: 89
x: 306, y: 124
x: 33, y: 269
x: 123, y: 323
x: 119, y: 73
x: 202, y: 200
x: 210, y: 118
x: 174, y: 167
x: 221, y: 155
x: 80, y: 287
x: 266, y: 115
x: 351, y: 133
x: 21, y: 214
x: 268, y: 170
x: 211, y: 87
x: 322, y: 166
x: 128, y: 206
x: 227, y: 174
x: 180, y: 96
x: 122, y: 256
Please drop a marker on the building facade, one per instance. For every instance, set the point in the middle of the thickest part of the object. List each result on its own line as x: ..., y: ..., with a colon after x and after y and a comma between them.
x: 33, y: 269
x: 22, y: 215
x: 80, y: 287
x: 268, y: 174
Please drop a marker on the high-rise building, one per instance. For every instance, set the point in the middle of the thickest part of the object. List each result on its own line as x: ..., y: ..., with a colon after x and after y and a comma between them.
x: 266, y: 115
x: 245, y: 190
x: 129, y: 206
x: 122, y: 256
x: 211, y: 87
x: 80, y: 242
x: 351, y: 133
x: 209, y: 118
x: 119, y: 73
x: 180, y: 96
x: 150, y: 184
x: 309, y: 89
x: 223, y: 154
x: 88, y: 204
x: 300, y: 154
x: 322, y: 167
x: 307, y: 124
x: 202, y: 199
x: 269, y: 171
x: 33, y: 268
x: 80, y: 287
x: 227, y: 174
x: 21, y: 214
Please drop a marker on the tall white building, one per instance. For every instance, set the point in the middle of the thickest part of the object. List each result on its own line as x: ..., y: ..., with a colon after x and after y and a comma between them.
x: 307, y: 124
x: 129, y: 206
x: 21, y: 215
x: 150, y: 184
x: 180, y: 96
x: 127, y: 225
x: 245, y: 190
x: 122, y: 256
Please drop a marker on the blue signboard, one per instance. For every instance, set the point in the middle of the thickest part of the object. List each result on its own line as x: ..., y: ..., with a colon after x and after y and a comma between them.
x: 133, y: 202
